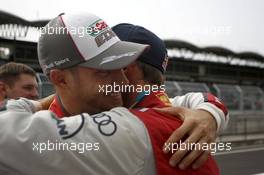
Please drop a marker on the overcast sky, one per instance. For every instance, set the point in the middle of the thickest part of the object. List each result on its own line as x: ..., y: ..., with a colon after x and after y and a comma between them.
x: 235, y: 24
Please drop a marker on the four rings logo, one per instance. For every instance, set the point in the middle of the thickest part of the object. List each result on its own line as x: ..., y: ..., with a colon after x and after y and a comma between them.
x: 96, y: 28
x: 106, y: 125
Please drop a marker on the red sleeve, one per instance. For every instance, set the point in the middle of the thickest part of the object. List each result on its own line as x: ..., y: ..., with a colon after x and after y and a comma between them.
x: 210, y: 98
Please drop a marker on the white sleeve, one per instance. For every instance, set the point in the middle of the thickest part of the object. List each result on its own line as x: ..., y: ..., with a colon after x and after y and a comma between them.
x: 207, y: 102
x: 114, y: 142
x: 20, y: 105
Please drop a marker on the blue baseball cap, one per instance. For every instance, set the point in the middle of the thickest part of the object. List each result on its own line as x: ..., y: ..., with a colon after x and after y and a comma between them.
x: 156, y: 55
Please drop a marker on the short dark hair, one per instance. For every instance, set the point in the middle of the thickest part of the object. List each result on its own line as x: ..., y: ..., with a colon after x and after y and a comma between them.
x: 10, y: 72
x: 151, y: 74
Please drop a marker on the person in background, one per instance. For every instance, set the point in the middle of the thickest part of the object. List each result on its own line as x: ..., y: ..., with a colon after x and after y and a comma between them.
x: 18, y: 80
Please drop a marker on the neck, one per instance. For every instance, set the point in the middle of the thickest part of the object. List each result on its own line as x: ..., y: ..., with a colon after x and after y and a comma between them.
x: 70, y: 104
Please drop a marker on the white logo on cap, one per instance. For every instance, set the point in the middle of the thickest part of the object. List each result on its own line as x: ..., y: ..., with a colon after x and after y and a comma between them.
x: 63, y: 61
x: 115, y: 57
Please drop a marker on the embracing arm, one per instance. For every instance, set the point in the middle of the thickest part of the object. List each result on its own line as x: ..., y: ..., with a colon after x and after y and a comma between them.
x: 204, y: 116
x: 206, y: 102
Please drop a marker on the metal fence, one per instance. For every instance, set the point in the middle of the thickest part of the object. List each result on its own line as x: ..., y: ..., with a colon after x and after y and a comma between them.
x: 236, y: 98
x: 245, y: 105
x: 45, y: 86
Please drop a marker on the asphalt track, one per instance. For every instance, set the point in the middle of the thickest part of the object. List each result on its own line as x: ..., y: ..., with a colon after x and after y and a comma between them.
x: 241, y: 162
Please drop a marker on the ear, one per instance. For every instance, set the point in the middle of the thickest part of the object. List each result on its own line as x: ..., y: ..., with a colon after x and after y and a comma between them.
x: 58, y: 78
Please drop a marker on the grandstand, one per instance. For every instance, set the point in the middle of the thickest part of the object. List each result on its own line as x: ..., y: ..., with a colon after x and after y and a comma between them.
x: 213, y: 65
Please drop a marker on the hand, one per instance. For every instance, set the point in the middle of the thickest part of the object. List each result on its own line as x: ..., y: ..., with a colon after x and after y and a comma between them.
x: 198, y: 126
x: 45, y: 102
